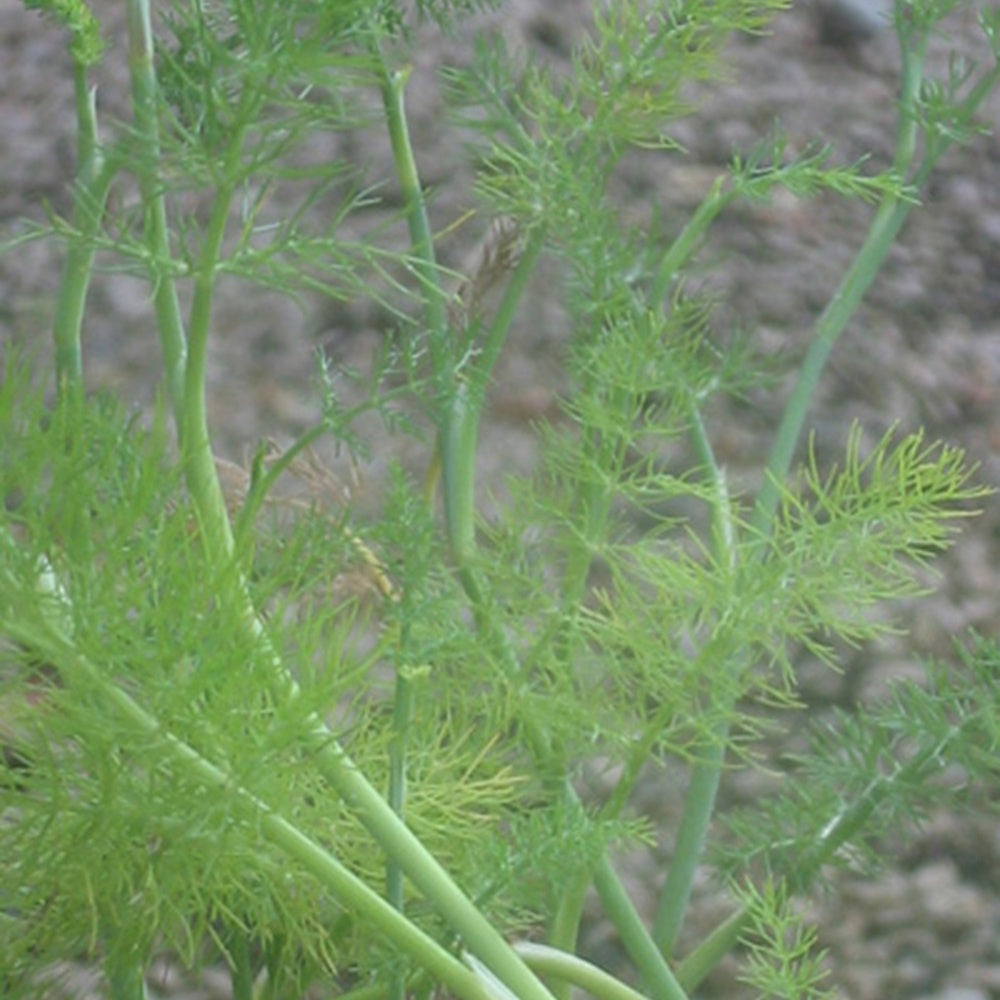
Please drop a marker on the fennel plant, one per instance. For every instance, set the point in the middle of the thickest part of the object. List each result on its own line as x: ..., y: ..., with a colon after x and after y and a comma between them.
x: 340, y: 750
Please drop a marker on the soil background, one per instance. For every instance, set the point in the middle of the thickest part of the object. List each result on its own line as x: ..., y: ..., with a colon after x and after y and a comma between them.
x: 923, y: 351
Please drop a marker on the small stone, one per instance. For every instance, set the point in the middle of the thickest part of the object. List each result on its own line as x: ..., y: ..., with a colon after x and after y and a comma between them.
x: 951, y: 906
x: 848, y: 22
x: 961, y: 993
x: 987, y: 977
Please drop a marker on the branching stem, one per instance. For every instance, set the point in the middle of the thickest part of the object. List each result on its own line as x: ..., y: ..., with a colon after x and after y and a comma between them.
x: 94, y: 174
x: 889, y: 218
x: 173, y: 338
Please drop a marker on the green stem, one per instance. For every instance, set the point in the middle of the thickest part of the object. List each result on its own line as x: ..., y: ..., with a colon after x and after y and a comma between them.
x: 659, y: 981
x: 693, y: 970
x: 458, y: 442
x: 699, y: 804
x: 459, y: 397
x: 889, y: 218
x: 421, y: 237
x: 684, y: 245
x: 564, y: 927
x: 885, y: 227
x: 240, y: 965
x: 93, y: 181
x: 402, y: 712
x: 575, y: 971
x: 157, y: 233
x: 657, y: 977
x: 459, y: 434
x: 699, y: 801
x: 126, y: 983
x: 480, y: 937
x: 199, y: 459
x: 496, y: 334
x: 458, y: 419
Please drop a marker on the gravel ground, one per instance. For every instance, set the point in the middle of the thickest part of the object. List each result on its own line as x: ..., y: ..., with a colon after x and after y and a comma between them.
x: 923, y: 351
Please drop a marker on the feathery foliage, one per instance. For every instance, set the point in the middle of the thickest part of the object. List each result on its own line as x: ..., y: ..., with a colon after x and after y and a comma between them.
x: 249, y: 722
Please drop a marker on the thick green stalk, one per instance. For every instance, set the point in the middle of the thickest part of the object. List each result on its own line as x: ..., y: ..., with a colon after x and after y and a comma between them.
x: 90, y: 192
x: 480, y: 937
x: 574, y: 971
x: 699, y: 804
x: 564, y: 927
x: 199, y: 459
x: 185, y: 358
x: 712, y: 950
x: 240, y: 965
x: 157, y: 235
x: 458, y: 443
x: 657, y: 978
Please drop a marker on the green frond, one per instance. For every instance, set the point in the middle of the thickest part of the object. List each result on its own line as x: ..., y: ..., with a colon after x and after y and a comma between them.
x: 756, y: 173
x: 857, y: 535
x: 102, y: 821
x: 86, y: 45
x: 783, y: 961
x: 224, y: 711
x: 518, y: 874
x: 447, y: 12
x: 867, y: 775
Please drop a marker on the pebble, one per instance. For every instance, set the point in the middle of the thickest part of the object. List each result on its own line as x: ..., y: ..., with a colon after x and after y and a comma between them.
x: 959, y: 993
x: 951, y: 907
x: 848, y: 22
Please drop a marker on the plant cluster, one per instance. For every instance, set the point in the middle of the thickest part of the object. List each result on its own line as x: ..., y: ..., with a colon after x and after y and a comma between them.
x: 342, y: 751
